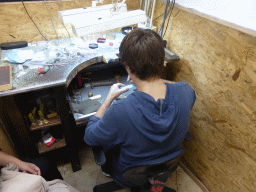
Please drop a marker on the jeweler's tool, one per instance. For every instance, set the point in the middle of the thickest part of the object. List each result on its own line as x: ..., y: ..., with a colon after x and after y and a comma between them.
x: 117, y: 78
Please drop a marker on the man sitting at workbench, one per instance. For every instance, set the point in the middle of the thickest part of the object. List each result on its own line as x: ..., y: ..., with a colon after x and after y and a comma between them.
x: 149, y: 125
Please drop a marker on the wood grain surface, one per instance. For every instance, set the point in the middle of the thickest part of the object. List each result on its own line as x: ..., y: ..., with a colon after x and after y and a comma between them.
x: 17, y: 26
x: 5, y: 78
x: 219, y: 62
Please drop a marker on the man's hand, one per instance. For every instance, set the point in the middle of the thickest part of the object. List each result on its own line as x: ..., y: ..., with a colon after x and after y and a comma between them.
x: 115, y: 91
x: 28, y: 168
x: 5, y: 159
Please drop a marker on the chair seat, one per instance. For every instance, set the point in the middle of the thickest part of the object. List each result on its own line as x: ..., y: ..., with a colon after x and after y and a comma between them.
x: 140, y: 175
x: 138, y: 178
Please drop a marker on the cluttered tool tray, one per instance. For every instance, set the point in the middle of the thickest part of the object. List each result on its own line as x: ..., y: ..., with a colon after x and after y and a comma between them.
x: 86, y: 100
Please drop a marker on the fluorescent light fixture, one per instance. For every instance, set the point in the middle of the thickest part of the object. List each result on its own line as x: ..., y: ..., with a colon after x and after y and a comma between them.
x: 96, y: 25
x: 87, y: 13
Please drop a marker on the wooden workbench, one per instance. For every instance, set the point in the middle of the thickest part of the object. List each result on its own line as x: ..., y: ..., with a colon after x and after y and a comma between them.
x: 56, y: 80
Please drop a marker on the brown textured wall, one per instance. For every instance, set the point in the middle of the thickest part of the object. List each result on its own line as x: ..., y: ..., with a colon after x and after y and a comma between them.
x: 220, y: 64
x: 5, y: 143
x: 17, y: 26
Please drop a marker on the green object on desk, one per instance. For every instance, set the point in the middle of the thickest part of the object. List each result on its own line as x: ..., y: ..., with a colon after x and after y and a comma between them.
x: 86, y: 107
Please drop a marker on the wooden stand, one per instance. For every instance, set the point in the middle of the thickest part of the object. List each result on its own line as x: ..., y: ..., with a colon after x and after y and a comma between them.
x: 43, y: 148
x: 5, y: 78
x: 52, y: 122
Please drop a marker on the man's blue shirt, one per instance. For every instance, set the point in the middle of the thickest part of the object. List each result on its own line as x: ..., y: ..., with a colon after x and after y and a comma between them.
x: 145, y: 131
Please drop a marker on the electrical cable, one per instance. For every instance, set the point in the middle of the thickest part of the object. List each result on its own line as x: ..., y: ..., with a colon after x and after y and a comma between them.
x: 158, y: 17
x: 33, y: 21
x: 141, y: 4
x: 168, y: 10
x: 152, y: 13
x: 169, y: 17
x: 63, y: 23
x: 164, y: 18
x: 51, y: 19
x: 119, y: 7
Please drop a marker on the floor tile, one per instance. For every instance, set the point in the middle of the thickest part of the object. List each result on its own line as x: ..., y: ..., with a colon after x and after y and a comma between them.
x: 86, y: 152
x: 185, y: 183
x: 83, y: 180
x: 103, y: 179
x: 172, y: 181
x: 91, y: 175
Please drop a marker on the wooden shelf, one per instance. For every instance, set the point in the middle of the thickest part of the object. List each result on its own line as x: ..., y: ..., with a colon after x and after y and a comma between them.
x: 43, y: 148
x: 53, y: 121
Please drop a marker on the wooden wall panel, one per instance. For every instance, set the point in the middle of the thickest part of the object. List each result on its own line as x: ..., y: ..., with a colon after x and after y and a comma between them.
x: 17, y: 26
x: 220, y: 64
x: 5, y: 142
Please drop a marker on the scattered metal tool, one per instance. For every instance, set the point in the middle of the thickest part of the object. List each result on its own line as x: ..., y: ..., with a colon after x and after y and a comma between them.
x: 99, y: 83
x: 77, y: 99
x: 44, y: 70
x: 117, y: 78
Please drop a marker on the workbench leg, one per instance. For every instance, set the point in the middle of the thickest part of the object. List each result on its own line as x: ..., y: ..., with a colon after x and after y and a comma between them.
x: 68, y: 124
x: 16, y: 126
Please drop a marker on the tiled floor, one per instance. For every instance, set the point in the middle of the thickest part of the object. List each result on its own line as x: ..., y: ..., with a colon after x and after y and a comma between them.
x: 90, y: 175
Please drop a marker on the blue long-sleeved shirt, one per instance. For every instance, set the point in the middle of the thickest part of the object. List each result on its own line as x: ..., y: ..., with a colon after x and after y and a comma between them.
x: 146, y: 131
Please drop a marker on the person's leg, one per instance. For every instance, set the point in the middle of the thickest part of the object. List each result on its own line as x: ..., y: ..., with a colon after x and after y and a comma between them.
x: 110, y: 155
x: 110, y: 168
x: 48, y: 169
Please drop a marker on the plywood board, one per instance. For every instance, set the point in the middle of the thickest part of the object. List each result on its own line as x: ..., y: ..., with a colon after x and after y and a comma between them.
x: 5, y: 78
x: 17, y: 26
x: 6, y: 144
x: 230, y: 21
x: 220, y: 64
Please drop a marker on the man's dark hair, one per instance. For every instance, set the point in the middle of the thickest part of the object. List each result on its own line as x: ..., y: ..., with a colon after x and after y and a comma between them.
x: 142, y: 50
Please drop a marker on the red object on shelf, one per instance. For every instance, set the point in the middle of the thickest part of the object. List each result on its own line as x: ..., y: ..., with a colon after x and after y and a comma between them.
x: 49, y: 140
x: 110, y: 44
x: 50, y: 143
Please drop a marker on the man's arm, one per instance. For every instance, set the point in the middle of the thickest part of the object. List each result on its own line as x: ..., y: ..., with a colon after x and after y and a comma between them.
x: 23, y: 166
x: 101, y: 128
x: 5, y: 159
x: 114, y: 92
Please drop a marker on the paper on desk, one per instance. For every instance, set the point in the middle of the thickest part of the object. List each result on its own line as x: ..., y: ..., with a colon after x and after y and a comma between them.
x: 40, y: 56
x: 18, y: 56
x: 78, y: 41
x: 119, y: 36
